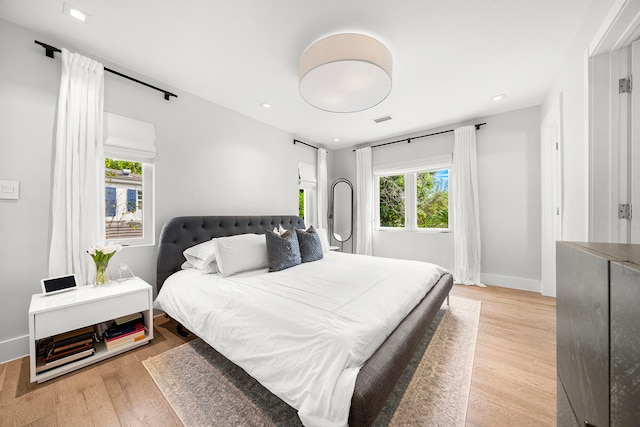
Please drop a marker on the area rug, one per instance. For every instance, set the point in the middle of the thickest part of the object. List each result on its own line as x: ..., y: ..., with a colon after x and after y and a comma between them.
x: 205, y: 389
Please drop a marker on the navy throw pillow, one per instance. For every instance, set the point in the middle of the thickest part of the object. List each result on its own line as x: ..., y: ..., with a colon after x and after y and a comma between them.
x: 283, y: 250
x: 310, y: 245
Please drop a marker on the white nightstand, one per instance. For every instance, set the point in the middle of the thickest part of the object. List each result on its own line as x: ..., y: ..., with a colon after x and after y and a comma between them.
x: 86, y: 306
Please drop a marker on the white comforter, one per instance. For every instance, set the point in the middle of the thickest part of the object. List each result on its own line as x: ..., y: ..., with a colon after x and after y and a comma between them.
x: 305, y: 332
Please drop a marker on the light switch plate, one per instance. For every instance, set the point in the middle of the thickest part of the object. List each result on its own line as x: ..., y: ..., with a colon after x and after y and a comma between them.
x: 9, y: 189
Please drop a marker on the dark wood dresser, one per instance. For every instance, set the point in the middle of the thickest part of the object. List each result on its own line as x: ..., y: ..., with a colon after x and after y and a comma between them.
x: 598, y: 334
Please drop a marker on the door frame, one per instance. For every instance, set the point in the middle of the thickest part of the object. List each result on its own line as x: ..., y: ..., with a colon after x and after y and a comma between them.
x: 551, y: 192
x: 618, y: 30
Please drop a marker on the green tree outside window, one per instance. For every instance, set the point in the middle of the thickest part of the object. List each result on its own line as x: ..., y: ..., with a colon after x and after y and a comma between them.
x: 392, y: 201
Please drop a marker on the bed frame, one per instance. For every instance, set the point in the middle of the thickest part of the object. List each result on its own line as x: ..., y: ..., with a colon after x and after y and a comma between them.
x: 380, y: 373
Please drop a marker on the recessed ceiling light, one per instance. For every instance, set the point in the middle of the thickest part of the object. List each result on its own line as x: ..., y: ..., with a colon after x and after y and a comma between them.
x: 76, y: 13
x: 498, y: 97
x: 336, y: 139
x: 266, y: 105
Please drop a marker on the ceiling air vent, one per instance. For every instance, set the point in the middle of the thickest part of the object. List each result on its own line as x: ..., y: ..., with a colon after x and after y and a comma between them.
x: 382, y: 119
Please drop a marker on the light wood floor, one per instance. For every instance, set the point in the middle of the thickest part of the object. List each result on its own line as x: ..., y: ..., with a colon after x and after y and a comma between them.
x: 514, y: 370
x: 513, y: 381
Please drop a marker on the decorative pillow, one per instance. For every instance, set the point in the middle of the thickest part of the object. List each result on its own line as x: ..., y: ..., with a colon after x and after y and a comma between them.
x: 310, y: 245
x: 283, y: 250
x: 201, y: 257
x: 324, y: 239
x: 235, y: 254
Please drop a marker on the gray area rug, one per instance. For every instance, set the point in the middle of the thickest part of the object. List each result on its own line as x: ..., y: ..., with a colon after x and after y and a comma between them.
x: 205, y: 389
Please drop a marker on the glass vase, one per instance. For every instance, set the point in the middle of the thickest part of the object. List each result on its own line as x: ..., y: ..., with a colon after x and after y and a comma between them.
x: 102, y: 274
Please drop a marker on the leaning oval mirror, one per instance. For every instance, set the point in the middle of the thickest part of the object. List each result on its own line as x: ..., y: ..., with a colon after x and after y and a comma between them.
x: 341, y: 211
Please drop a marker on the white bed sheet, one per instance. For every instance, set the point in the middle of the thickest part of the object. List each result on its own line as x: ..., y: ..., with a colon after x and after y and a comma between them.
x: 304, y: 332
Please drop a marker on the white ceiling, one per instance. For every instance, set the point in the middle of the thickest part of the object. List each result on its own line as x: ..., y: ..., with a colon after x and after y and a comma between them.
x: 449, y: 57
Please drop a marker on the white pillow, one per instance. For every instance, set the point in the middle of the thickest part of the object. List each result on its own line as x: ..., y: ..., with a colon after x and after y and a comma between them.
x: 324, y: 239
x: 243, y: 252
x: 279, y: 229
x: 201, y: 257
x: 210, y: 268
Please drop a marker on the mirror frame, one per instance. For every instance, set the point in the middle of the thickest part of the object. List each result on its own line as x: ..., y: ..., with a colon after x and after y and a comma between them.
x: 331, y: 209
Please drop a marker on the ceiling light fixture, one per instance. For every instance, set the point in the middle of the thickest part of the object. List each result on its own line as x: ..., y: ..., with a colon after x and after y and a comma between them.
x: 345, y: 73
x: 336, y: 139
x: 498, y: 97
x: 76, y: 13
x: 266, y: 105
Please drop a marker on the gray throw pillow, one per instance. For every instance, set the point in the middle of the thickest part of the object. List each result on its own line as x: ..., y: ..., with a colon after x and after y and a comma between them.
x: 283, y: 250
x: 310, y: 245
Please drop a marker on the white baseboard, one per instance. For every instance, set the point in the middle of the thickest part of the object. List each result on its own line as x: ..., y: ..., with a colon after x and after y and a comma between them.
x: 512, y: 282
x: 14, y: 348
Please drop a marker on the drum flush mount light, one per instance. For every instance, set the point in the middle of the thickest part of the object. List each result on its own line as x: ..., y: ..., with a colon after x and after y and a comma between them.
x: 345, y: 73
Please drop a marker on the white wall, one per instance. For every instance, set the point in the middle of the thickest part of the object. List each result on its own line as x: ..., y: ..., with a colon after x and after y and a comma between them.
x: 509, y: 184
x: 570, y: 85
x: 210, y: 161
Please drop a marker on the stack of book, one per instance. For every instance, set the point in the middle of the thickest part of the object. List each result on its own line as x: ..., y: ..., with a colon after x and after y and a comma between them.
x: 66, y: 348
x: 125, y: 330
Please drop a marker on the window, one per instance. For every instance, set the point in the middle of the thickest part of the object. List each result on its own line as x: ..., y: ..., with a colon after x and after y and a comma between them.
x: 301, y: 203
x: 392, y: 204
x: 432, y: 199
x: 306, y: 189
x: 416, y: 198
x: 124, y: 217
x: 129, y: 151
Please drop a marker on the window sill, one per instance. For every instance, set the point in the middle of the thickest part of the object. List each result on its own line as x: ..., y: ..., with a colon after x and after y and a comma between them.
x: 130, y: 244
x: 418, y: 230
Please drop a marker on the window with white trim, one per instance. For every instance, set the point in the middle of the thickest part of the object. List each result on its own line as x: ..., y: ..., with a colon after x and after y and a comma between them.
x: 306, y: 186
x: 129, y: 150
x: 413, y: 196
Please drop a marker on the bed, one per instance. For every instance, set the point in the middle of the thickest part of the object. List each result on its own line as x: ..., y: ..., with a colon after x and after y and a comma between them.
x: 379, y: 373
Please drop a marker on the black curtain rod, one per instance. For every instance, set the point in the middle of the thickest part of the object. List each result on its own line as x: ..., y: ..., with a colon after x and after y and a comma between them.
x: 50, y: 50
x: 308, y: 145
x: 408, y: 140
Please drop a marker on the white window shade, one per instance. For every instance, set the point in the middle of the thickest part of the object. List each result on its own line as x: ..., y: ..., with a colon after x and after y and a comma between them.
x: 307, y: 176
x: 413, y: 166
x: 129, y: 139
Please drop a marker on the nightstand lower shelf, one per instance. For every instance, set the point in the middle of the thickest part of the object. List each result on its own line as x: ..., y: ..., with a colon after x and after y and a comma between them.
x: 101, y: 353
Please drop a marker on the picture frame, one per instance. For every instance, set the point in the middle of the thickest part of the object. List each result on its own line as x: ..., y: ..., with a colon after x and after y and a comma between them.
x: 55, y: 285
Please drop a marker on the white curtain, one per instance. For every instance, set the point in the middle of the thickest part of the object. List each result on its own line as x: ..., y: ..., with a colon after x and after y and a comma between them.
x: 364, y: 202
x: 77, y: 200
x: 466, y: 214
x: 321, y: 190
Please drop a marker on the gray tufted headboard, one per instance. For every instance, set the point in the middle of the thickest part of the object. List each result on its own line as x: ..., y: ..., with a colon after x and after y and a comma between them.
x: 182, y: 232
